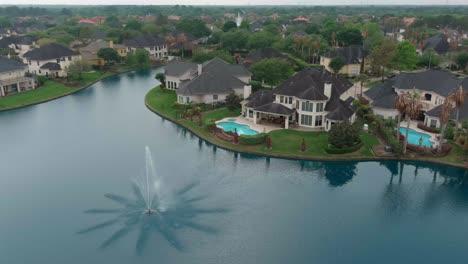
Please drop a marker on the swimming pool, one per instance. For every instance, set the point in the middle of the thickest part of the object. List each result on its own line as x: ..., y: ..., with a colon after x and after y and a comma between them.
x: 241, y: 129
x: 414, y: 137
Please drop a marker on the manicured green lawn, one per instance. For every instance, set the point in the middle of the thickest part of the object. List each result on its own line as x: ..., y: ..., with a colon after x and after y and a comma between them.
x: 372, y: 84
x: 50, y: 90
x: 284, y: 142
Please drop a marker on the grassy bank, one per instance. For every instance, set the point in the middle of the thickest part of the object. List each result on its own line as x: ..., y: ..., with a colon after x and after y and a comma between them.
x: 285, y: 143
x: 52, y: 89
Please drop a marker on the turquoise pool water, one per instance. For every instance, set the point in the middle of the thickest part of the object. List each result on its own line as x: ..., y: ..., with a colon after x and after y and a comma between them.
x: 241, y: 129
x: 414, y: 136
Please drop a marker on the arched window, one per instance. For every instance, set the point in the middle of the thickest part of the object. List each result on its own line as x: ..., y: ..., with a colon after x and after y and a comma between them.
x: 428, y: 97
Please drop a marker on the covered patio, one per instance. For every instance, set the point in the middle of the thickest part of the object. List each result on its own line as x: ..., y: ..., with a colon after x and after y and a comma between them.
x: 273, y: 114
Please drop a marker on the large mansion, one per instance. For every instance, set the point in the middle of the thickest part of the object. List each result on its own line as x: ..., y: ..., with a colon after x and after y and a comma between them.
x: 207, y: 83
x: 434, y: 86
x: 313, y: 98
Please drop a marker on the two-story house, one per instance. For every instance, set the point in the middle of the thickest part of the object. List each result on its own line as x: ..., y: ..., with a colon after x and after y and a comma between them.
x: 313, y: 98
x: 156, y: 46
x: 13, y: 77
x: 90, y: 52
x: 207, y: 83
x: 20, y: 44
x: 50, y: 60
x: 352, y: 56
x: 433, y: 86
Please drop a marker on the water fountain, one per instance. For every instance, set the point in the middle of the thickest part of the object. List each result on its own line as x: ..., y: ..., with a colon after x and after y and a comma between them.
x: 154, y: 207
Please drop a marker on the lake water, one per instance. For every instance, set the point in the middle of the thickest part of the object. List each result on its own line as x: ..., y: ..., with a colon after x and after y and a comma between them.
x: 60, y: 159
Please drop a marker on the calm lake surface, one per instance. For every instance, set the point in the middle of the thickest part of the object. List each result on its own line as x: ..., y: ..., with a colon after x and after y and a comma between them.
x: 59, y: 159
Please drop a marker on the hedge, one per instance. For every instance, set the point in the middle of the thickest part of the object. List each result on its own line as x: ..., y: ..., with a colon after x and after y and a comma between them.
x: 253, y: 140
x: 335, y: 150
x: 428, y: 129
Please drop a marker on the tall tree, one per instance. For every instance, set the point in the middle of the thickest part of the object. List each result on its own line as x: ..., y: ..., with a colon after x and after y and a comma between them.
x: 234, y: 40
x: 108, y: 54
x: 444, y: 116
x: 195, y: 27
x: 133, y: 24
x: 336, y: 64
x: 410, y: 107
x: 272, y: 71
x: 458, y: 97
x: 406, y: 57
x: 462, y: 60
x: 383, y: 57
x: 362, y: 78
x: 229, y: 25
x: 349, y: 36
x: 260, y: 40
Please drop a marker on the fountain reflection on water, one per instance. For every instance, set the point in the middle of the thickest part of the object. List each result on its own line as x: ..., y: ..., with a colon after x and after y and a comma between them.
x: 153, y: 207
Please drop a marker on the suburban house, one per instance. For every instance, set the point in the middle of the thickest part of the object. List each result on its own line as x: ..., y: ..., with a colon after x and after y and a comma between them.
x: 255, y: 26
x: 89, y: 53
x: 431, y: 118
x: 353, y: 57
x: 313, y: 98
x: 155, y: 46
x: 261, y: 54
x: 50, y: 60
x: 20, y: 44
x: 207, y: 83
x: 433, y: 86
x: 438, y: 43
x: 13, y: 77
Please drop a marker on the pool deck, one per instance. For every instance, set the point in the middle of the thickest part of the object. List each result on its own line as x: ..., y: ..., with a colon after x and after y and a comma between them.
x: 257, y: 127
x: 414, y: 126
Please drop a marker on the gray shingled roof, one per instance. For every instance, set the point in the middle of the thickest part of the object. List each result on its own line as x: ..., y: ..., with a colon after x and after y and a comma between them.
x: 435, y: 112
x: 145, y: 41
x: 275, y: 108
x: 260, y: 98
x: 8, y: 65
x: 177, y: 68
x: 350, y: 55
x: 49, y: 51
x: 24, y: 40
x: 255, y: 26
x: 438, y: 43
x: 383, y: 95
x: 309, y: 84
x: 266, y: 53
x: 218, y: 77
x: 440, y: 82
x: 52, y: 66
x: 342, y: 112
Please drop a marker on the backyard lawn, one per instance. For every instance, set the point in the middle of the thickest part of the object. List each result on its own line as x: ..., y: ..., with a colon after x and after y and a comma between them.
x: 50, y: 90
x: 284, y: 142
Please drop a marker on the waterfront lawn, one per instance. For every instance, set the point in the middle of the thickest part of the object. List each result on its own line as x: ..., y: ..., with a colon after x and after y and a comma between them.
x: 50, y: 90
x: 284, y: 142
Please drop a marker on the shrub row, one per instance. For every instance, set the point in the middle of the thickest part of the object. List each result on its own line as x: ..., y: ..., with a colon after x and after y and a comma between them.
x: 253, y: 140
x: 429, y: 151
x: 378, y: 126
x: 428, y: 128
x: 334, y: 150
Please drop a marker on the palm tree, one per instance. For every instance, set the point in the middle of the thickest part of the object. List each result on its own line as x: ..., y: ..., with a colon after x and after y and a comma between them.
x: 444, y: 116
x: 362, y: 78
x: 400, y: 106
x: 409, y: 105
x: 458, y: 97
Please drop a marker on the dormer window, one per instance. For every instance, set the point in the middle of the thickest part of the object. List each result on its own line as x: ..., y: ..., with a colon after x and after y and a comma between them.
x: 428, y: 97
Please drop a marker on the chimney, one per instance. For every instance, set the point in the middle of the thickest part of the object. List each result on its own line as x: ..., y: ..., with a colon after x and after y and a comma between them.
x: 199, y: 69
x: 247, y: 91
x: 111, y: 44
x: 327, y: 90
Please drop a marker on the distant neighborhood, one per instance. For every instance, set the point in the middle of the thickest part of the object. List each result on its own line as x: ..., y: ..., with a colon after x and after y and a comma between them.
x: 294, y: 70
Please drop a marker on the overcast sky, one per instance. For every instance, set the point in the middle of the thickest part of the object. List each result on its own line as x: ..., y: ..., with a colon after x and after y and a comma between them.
x: 236, y: 2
